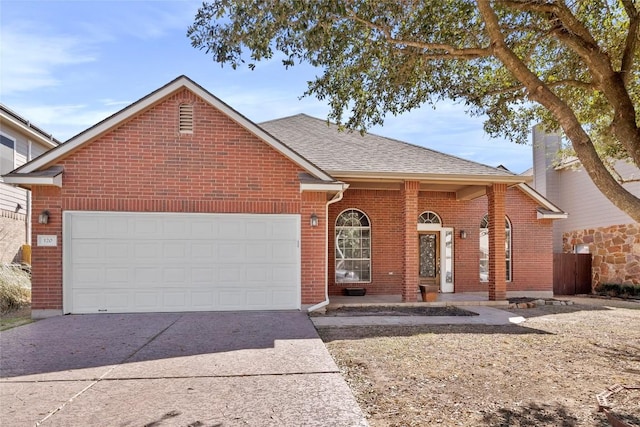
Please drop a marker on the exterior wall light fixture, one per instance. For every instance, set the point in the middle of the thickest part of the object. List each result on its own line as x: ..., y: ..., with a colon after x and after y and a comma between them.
x: 44, y: 217
x: 314, y: 220
x: 463, y: 234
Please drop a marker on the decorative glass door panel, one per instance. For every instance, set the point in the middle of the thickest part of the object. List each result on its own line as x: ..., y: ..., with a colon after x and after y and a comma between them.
x: 429, y: 266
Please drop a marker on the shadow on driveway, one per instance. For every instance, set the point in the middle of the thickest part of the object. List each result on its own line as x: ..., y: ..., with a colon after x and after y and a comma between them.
x: 77, y: 342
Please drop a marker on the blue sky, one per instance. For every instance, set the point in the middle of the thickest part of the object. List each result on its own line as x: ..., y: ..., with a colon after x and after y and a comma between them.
x: 66, y: 65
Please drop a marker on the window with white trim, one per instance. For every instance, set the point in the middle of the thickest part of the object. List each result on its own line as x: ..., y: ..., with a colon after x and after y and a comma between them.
x: 353, y: 247
x: 484, y: 249
x: 429, y: 217
x: 7, y: 154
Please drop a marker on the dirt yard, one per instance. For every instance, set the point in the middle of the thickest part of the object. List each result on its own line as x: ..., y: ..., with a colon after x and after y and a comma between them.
x: 544, y: 372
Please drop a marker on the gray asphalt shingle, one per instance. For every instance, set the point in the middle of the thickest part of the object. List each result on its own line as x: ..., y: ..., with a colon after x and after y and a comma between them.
x: 343, y: 151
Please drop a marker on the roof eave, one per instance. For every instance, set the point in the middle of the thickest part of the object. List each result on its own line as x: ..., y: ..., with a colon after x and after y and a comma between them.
x: 479, y: 179
x: 33, y: 133
x: 27, y: 181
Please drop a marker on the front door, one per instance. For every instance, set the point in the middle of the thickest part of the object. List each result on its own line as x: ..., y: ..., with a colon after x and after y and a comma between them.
x: 429, y: 252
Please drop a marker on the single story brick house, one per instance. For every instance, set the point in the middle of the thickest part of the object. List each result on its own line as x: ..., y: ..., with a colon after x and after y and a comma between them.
x: 180, y: 203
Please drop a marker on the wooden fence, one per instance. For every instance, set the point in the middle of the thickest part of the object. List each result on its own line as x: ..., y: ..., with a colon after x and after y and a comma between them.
x: 571, y: 274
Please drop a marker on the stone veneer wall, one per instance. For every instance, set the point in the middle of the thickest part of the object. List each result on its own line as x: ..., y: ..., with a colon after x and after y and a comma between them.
x: 615, y: 251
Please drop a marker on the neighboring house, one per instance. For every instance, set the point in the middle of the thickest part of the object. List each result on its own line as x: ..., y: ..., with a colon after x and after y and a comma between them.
x: 180, y: 203
x: 594, y: 224
x: 20, y: 141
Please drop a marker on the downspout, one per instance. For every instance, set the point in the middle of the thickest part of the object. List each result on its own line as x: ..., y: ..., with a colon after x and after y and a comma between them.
x: 335, y: 199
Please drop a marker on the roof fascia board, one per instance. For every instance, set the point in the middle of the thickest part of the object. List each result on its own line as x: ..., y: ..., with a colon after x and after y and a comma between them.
x: 25, y: 181
x: 470, y: 179
x: 540, y: 199
x: 33, y: 134
x: 545, y: 215
x: 154, y: 97
x: 330, y: 187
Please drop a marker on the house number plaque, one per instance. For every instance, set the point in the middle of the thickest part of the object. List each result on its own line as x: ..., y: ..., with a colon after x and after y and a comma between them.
x: 47, y: 240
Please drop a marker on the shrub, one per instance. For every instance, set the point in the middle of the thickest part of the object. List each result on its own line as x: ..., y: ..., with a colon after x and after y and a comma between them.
x: 15, y: 288
x: 618, y: 290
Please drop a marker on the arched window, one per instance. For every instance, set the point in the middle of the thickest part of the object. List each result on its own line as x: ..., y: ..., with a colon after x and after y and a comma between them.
x: 429, y: 217
x: 353, y: 247
x: 484, y: 248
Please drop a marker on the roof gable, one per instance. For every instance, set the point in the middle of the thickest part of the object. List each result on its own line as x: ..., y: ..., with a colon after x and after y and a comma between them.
x: 153, y: 98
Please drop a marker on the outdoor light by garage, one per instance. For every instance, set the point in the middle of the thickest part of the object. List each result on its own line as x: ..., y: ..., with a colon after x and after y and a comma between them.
x: 463, y: 234
x: 44, y: 217
x: 314, y: 220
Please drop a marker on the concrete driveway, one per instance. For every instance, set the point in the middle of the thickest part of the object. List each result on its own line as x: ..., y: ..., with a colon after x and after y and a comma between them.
x: 176, y: 369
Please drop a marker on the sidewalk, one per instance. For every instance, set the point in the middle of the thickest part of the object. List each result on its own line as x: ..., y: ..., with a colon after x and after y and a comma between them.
x: 486, y: 316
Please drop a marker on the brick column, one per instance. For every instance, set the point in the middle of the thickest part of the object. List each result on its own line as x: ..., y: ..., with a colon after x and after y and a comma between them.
x: 313, y: 247
x: 46, y: 277
x: 410, y: 264
x: 497, y: 260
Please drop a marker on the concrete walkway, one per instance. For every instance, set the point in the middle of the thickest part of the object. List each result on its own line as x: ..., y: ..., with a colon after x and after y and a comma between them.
x: 188, y: 369
x: 486, y: 316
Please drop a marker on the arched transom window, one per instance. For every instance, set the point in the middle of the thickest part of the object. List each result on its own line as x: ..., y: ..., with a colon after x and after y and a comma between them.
x: 429, y: 217
x: 484, y: 248
x: 353, y: 247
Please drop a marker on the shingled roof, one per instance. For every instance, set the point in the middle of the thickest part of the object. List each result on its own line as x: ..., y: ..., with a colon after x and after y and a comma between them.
x: 339, y: 152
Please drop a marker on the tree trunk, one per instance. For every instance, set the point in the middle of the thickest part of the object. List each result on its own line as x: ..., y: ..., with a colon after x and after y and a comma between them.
x: 539, y: 92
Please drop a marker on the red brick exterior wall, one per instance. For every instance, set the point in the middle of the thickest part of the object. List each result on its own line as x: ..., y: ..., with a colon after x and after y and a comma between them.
x: 314, y: 247
x: 532, y: 254
x: 147, y: 165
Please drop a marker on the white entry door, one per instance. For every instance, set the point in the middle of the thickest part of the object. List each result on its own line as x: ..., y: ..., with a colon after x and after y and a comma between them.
x: 124, y: 262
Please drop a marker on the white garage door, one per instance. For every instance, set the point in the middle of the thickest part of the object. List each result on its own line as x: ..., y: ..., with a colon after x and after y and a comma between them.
x: 117, y: 262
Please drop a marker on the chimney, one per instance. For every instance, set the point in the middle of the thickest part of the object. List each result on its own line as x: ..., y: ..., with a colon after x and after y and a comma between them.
x: 546, y: 147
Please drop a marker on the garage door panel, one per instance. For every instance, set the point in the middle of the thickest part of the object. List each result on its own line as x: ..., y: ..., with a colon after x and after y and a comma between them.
x: 117, y: 276
x: 144, y: 228
x: 117, y: 301
x: 175, y: 250
x: 87, y: 227
x: 285, y: 274
x: 146, y: 276
x: 203, y: 230
x: 203, y: 251
x: 231, y: 228
x: 283, y: 251
x: 232, y: 252
x: 147, y: 300
x: 87, y: 251
x: 117, y: 250
x: 146, y: 250
x: 143, y: 262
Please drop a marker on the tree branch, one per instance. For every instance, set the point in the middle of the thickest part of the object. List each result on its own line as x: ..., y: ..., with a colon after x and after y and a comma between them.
x: 582, y: 144
x: 450, y: 51
x: 568, y: 82
x: 631, y: 43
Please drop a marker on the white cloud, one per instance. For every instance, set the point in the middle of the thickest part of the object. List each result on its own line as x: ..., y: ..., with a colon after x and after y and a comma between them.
x: 30, y: 58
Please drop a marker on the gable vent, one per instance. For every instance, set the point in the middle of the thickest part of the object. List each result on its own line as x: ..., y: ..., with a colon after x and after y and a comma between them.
x: 186, y: 118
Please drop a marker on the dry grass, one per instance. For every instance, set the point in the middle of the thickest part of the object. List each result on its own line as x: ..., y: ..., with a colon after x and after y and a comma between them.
x: 15, y: 288
x: 544, y: 373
